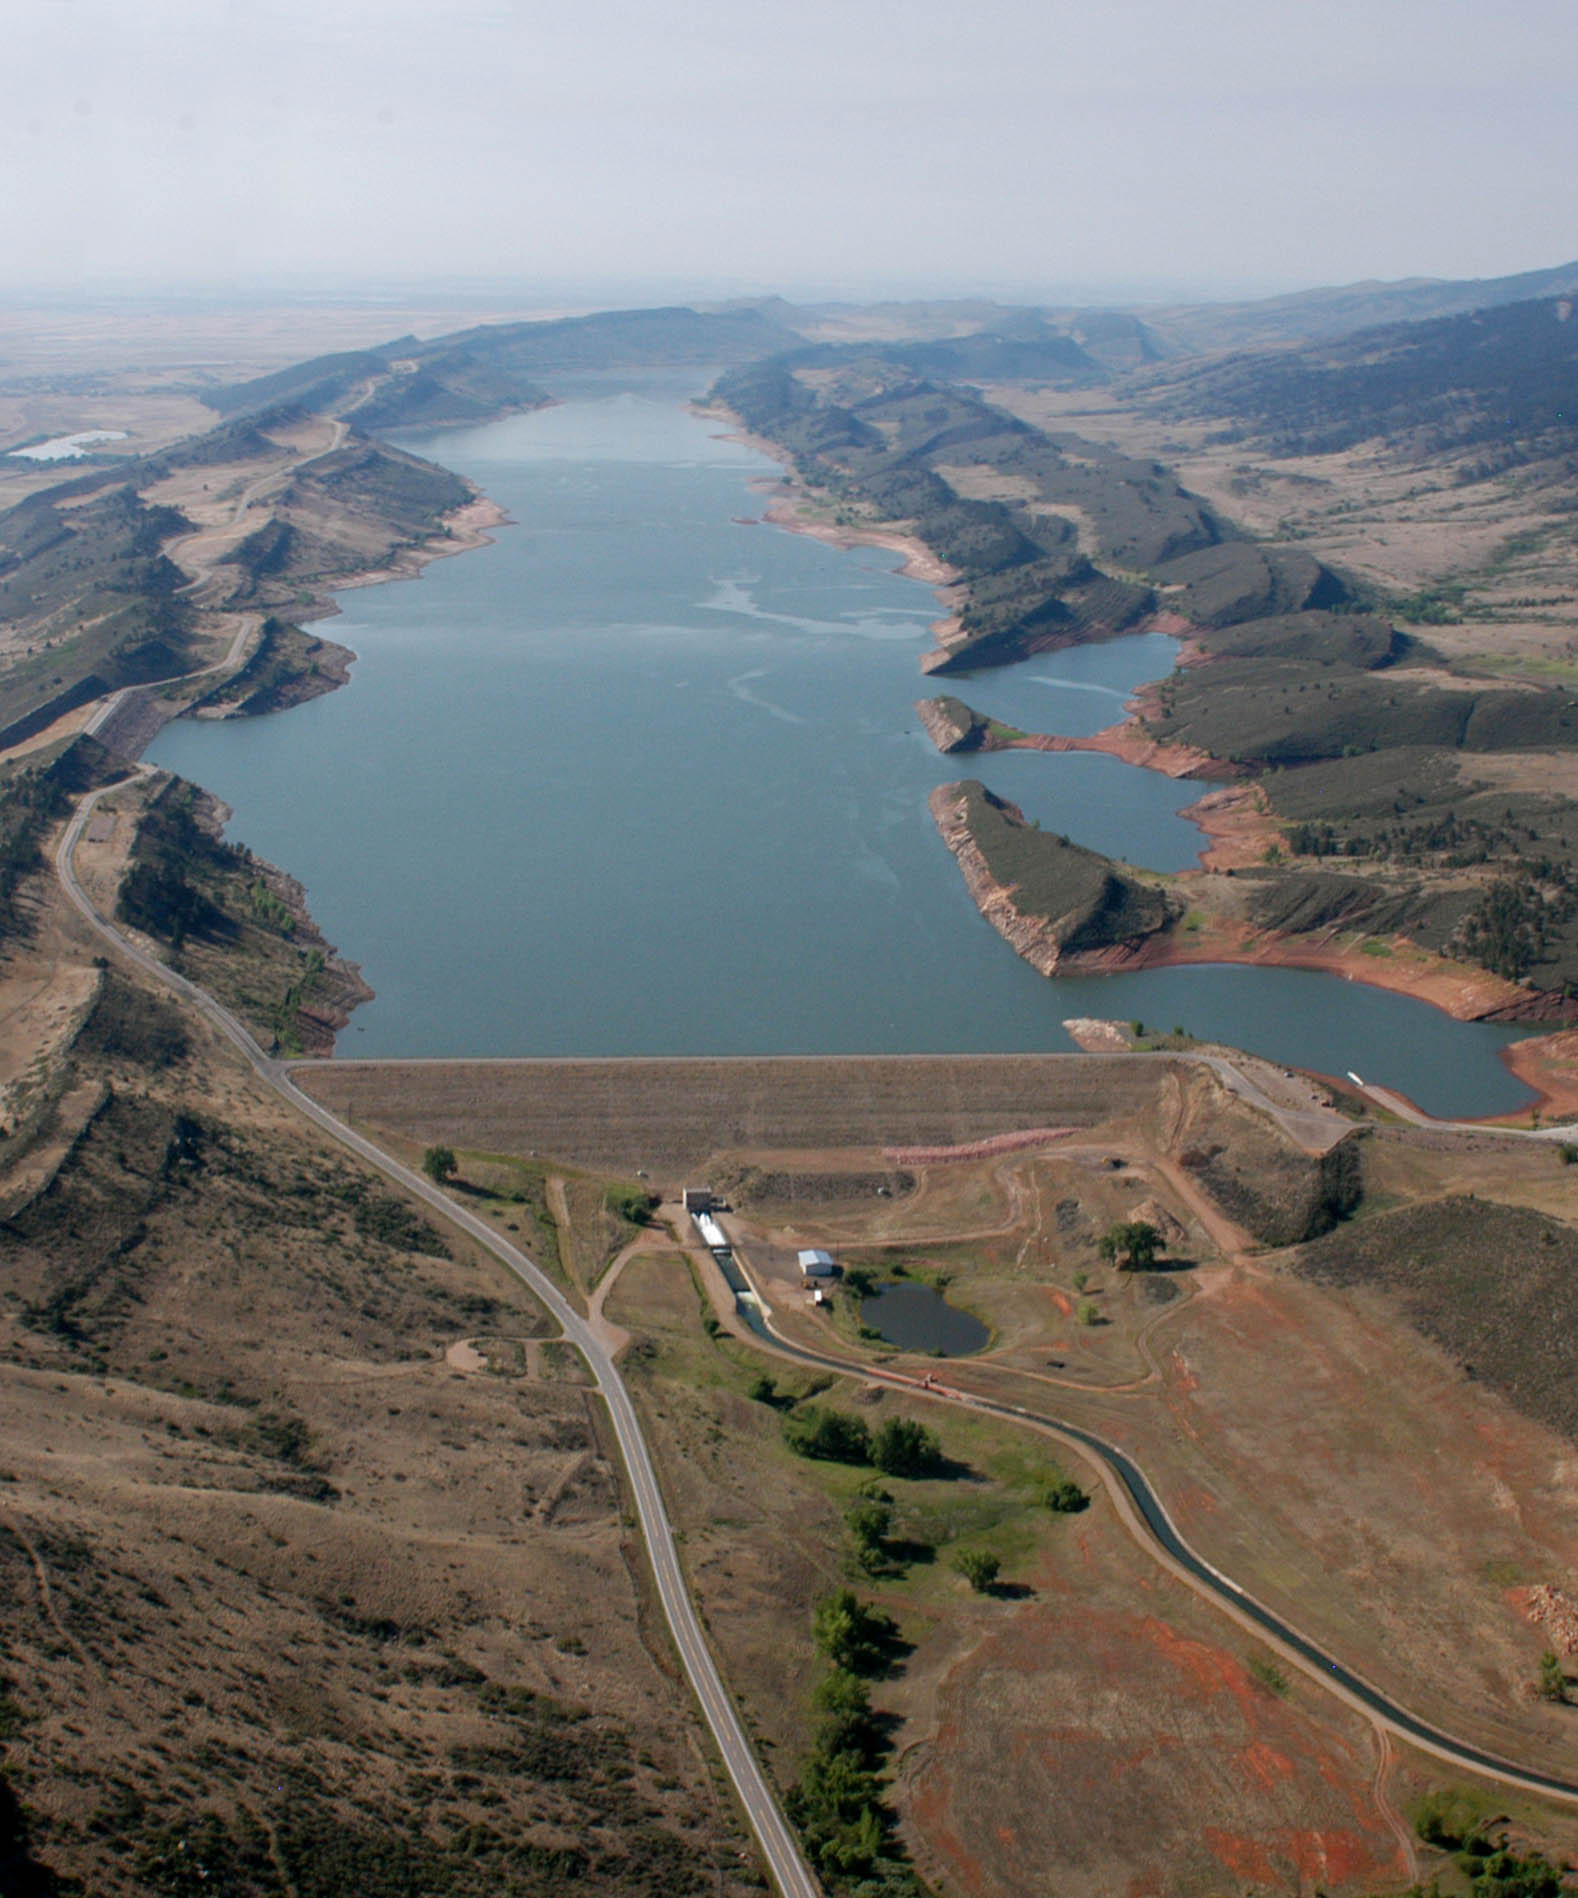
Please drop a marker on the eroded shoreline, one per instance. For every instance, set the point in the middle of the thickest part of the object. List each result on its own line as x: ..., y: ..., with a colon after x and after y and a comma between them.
x: 1233, y: 819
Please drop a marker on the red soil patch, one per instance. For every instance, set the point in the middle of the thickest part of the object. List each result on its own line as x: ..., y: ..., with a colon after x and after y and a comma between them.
x: 1207, y: 1669
x: 976, y: 1149
x: 1133, y: 744
x: 1134, y: 1756
x: 1550, y: 1066
x: 1264, y: 1765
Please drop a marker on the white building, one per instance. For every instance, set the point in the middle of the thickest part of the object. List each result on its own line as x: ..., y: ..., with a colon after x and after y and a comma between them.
x: 816, y: 1264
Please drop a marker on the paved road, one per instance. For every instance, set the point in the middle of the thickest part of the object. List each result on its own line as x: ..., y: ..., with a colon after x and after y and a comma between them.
x: 782, y: 1853
x: 1404, y: 1109
x: 1145, y: 1516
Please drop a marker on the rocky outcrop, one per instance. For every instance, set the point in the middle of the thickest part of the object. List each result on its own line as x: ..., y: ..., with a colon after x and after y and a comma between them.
x: 1050, y: 899
x: 951, y: 725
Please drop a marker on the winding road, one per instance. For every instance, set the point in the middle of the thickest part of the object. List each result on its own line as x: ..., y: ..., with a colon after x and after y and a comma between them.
x: 778, y: 1845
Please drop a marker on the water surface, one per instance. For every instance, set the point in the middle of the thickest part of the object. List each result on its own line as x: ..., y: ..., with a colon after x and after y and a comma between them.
x: 643, y: 779
x: 918, y: 1318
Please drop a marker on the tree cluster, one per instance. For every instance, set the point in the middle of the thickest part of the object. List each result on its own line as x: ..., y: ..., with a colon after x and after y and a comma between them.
x: 898, y: 1447
x: 838, y: 1805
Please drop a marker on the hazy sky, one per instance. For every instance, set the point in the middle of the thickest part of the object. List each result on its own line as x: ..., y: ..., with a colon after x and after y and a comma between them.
x: 1023, y: 147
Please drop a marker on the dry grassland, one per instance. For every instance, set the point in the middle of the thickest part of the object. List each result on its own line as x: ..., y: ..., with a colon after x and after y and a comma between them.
x: 1301, y: 1437
x: 1093, y: 1727
x: 314, y: 1568
x: 1401, y: 526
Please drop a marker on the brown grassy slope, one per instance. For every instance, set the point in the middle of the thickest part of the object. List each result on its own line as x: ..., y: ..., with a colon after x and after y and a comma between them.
x: 1276, y: 1191
x: 1495, y: 1286
x: 283, y: 1592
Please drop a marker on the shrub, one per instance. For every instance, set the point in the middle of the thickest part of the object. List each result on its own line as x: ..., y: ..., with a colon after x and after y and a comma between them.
x: 978, y: 1568
x: 632, y: 1204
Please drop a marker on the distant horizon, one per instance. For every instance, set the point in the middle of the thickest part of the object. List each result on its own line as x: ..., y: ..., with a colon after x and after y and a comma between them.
x: 588, y: 295
x: 1027, y: 150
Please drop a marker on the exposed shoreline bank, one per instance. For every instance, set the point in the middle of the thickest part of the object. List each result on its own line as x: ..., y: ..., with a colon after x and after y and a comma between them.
x: 1546, y: 1064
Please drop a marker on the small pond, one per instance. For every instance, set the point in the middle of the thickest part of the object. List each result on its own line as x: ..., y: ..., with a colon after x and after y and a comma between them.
x: 919, y: 1319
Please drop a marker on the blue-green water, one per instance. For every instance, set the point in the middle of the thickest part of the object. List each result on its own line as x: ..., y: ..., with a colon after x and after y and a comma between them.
x: 642, y: 779
x: 918, y: 1318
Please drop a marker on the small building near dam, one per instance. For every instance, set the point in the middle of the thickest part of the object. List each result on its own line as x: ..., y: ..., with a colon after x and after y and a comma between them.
x: 817, y: 1264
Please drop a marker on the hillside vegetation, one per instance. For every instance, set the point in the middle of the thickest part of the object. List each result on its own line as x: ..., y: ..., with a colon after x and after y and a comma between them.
x: 89, y: 601
x: 1308, y: 681
x: 1083, y: 900
x: 1004, y: 504
x: 475, y: 374
x: 1496, y: 386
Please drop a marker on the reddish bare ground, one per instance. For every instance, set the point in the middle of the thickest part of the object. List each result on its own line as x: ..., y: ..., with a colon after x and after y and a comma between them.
x: 1239, y: 830
x: 976, y: 1149
x: 1115, y: 1739
x: 1134, y: 745
x: 1549, y: 1065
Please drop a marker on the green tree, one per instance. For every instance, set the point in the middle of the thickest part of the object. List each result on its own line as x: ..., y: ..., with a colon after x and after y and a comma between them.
x: 848, y: 1724
x: 829, y: 1436
x: 978, y: 1568
x: 903, y: 1447
x: 439, y: 1164
x: 853, y: 1636
x: 1553, y: 1680
x: 1133, y: 1243
x: 869, y: 1518
x: 1066, y: 1498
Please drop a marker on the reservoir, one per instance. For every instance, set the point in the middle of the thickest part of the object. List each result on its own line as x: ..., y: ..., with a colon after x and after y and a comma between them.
x: 646, y: 778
